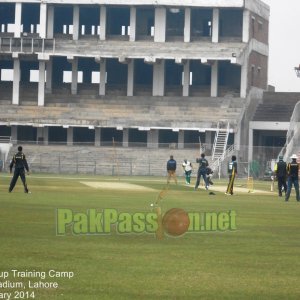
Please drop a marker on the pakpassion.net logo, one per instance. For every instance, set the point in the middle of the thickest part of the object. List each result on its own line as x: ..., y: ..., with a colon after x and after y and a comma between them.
x: 175, y: 222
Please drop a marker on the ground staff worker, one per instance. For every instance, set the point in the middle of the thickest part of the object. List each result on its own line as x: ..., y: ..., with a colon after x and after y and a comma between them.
x: 203, y: 164
x: 281, y: 172
x: 293, y: 179
x: 232, y: 172
x: 19, y: 162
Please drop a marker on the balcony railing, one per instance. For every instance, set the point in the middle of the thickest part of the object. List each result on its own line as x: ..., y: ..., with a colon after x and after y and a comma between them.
x: 26, y: 45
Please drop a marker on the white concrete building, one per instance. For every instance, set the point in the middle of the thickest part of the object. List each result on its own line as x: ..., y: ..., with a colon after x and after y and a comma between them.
x: 140, y: 71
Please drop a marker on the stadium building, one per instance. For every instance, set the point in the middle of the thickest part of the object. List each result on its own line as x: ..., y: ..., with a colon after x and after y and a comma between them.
x: 152, y: 74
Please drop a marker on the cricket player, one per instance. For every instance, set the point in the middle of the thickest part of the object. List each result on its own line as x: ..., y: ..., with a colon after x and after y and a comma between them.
x: 203, y: 164
x: 20, y: 163
x: 171, y: 169
x: 280, y: 170
x: 232, y: 172
x: 293, y: 178
x: 187, y: 167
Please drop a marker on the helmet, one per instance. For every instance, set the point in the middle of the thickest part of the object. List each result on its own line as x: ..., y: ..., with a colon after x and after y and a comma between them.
x: 280, y: 157
x: 294, y: 156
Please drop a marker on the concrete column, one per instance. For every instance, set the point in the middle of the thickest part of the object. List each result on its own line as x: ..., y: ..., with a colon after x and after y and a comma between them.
x: 14, y: 134
x: 208, y: 140
x: 70, y: 136
x: 125, y: 137
x: 39, y: 133
x: 41, y: 87
x: 160, y: 24
x: 187, y: 25
x: 103, y: 23
x: 246, y: 26
x: 43, y: 20
x: 46, y: 135
x: 18, y: 19
x: 244, y: 79
x: 102, y: 84
x: 152, y: 138
x: 159, y: 78
x: 50, y: 22
x: 97, y: 136
x: 181, y: 139
x: 74, y: 84
x: 215, y: 25
x: 75, y: 22
x: 16, y: 82
x: 214, y: 79
x: 130, y: 77
x: 49, y: 68
x: 186, y: 79
x: 132, y: 24
x: 250, y: 145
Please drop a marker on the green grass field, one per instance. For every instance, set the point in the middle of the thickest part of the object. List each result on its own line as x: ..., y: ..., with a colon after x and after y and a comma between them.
x: 259, y: 260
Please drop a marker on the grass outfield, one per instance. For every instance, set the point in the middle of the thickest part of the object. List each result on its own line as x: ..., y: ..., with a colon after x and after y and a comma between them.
x: 259, y: 260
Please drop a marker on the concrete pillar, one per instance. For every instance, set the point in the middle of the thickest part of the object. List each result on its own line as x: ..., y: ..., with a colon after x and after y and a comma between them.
x: 74, y: 84
x: 186, y: 79
x: 39, y: 134
x: 208, y: 140
x: 250, y: 145
x: 16, y: 82
x: 102, y: 23
x: 130, y: 77
x: 132, y: 24
x: 49, y: 68
x: 214, y: 79
x: 187, y: 25
x: 14, y: 134
x: 244, y: 79
x: 43, y: 20
x: 160, y: 24
x: 215, y: 25
x: 246, y: 26
x: 50, y: 22
x: 70, y: 136
x: 46, y: 135
x: 18, y: 19
x: 158, y: 78
x: 102, y: 84
x: 152, y: 138
x: 75, y: 22
x: 97, y: 136
x: 41, y: 87
x: 125, y: 137
x: 181, y: 139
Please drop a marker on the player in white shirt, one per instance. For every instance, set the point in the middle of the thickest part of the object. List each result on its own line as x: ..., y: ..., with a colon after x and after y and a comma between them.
x: 187, y: 167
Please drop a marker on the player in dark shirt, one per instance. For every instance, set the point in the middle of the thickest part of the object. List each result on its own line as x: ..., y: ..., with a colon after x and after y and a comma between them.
x: 281, y: 172
x: 20, y: 163
x: 232, y: 172
x: 293, y: 178
x: 171, y: 169
x: 203, y: 164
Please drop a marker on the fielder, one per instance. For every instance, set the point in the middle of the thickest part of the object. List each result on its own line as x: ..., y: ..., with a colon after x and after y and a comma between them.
x: 293, y: 178
x: 20, y: 163
x: 187, y: 167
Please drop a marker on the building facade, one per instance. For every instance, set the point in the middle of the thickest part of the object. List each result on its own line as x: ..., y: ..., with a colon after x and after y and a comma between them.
x: 148, y: 72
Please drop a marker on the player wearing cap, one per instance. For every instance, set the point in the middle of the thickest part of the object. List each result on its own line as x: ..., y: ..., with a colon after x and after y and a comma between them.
x: 293, y: 177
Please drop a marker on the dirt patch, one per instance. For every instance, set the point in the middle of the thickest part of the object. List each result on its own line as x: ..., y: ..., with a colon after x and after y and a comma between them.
x: 118, y: 186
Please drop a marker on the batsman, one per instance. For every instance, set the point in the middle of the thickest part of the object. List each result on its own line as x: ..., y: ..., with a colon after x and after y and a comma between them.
x: 232, y: 172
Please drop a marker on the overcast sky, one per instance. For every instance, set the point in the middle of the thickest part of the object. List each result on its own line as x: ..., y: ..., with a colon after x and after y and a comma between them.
x: 284, y: 42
